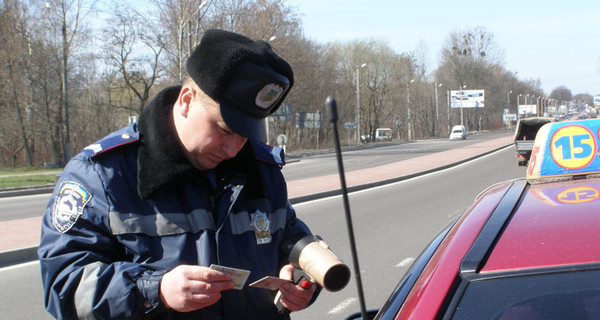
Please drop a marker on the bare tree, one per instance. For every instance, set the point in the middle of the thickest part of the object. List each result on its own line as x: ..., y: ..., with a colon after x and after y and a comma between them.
x: 561, y: 93
x: 382, y: 101
x: 180, y: 22
x: 14, y: 33
x: 135, y: 49
x: 314, y: 74
x: 467, y: 54
x: 468, y: 60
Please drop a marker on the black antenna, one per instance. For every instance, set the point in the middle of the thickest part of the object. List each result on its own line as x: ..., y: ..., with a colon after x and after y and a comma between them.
x: 333, y: 117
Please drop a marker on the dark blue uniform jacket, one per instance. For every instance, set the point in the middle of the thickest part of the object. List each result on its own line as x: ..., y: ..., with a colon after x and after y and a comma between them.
x: 129, y: 208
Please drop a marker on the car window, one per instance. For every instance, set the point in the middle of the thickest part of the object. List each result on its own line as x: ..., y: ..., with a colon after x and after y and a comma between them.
x: 568, y: 295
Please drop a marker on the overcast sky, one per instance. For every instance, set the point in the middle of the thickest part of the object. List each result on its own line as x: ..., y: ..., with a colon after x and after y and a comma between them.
x: 557, y: 42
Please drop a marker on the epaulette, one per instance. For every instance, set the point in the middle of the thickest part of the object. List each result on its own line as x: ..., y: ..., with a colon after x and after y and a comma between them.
x: 116, y: 139
x: 269, y: 154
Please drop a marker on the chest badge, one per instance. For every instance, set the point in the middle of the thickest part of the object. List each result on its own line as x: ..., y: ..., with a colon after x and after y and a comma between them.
x: 261, y: 225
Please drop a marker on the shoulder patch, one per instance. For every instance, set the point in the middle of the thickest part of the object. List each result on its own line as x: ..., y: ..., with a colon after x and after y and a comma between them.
x: 112, y: 141
x: 68, y: 206
x: 269, y: 154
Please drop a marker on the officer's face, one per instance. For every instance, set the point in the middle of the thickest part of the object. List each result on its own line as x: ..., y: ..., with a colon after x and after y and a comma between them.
x: 206, y: 139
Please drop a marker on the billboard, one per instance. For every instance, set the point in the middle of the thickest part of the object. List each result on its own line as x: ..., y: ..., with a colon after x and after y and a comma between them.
x: 527, y: 109
x: 467, y: 98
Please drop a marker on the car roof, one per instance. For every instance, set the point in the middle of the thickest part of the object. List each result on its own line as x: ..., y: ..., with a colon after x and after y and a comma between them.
x: 555, y: 224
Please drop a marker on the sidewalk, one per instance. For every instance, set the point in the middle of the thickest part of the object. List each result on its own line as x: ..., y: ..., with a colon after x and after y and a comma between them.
x: 19, y: 238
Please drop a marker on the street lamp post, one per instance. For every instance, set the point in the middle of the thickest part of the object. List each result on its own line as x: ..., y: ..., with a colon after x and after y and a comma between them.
x: 437, y: 113
x: 508, y: 100
x: 408, y: 125
x: 462, y: 122
x: 358, y: 103
x: 65, y: 90
x: 518, y: 106
x: 448, y: 107
x: 64, y: 86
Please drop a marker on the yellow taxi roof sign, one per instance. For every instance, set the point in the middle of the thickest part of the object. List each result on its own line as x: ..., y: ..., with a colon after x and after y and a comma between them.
x: 565, y: 149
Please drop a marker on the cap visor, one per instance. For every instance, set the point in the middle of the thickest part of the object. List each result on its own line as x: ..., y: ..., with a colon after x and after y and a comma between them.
x: 243, y: 124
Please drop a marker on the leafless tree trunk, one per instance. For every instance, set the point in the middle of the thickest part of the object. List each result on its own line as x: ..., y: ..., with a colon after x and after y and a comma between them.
x: 14, y: 39
x: 17, y: 106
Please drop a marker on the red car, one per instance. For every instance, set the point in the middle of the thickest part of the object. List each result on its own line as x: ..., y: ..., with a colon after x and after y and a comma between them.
x: 526, y: 249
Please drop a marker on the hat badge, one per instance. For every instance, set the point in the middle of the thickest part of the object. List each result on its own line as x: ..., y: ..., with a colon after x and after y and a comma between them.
x: 268, y: 95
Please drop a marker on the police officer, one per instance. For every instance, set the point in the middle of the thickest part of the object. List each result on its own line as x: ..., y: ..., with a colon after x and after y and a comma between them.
x: 138, y: 217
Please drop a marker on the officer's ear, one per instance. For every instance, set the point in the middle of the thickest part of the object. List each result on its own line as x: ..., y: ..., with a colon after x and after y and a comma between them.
x: 184, y: 101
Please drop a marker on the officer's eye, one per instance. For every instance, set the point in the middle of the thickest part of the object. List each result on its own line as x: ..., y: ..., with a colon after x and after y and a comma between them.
x: 224, y: 130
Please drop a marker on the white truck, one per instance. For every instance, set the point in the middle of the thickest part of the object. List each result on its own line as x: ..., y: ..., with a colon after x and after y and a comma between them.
x: 383, y: 134
x: 525, y: 133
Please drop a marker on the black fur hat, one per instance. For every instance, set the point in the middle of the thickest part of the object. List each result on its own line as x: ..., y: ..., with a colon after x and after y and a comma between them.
x: 246, y: 77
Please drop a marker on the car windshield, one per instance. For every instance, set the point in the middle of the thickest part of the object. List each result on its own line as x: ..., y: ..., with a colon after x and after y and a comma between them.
x: 457, y: 131
x: 567, y: 295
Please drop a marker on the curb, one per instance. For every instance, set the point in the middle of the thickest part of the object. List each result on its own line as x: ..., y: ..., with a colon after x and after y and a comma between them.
x: 17, y: 256
x: 26, y: 191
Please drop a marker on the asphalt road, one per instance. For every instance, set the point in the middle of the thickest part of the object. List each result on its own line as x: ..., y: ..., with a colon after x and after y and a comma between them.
x: 392, y: 225
x: 21, y: 207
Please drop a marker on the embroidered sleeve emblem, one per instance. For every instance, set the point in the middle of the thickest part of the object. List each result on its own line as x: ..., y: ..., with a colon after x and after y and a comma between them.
x: 68, y: 206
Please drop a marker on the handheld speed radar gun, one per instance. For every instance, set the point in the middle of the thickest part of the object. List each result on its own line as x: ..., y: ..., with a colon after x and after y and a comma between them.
x: 313, y: 256
x: 315, y: 262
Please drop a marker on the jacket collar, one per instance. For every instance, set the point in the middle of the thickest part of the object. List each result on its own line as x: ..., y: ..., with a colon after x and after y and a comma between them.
x: 161, y: 161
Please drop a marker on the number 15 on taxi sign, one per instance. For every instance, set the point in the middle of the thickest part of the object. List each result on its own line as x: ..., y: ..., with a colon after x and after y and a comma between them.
x: 573, y: 147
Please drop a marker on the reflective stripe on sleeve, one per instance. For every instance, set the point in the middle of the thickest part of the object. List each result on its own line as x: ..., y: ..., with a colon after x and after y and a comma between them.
x: 84, y: 294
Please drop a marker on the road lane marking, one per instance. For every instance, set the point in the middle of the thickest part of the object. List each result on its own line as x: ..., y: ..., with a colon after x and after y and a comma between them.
x: 406, y: 262
x: 342, y: 306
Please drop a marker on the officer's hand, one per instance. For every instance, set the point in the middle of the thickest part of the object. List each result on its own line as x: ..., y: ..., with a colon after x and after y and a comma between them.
x: 188, y: 288
x: 294, y: 297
